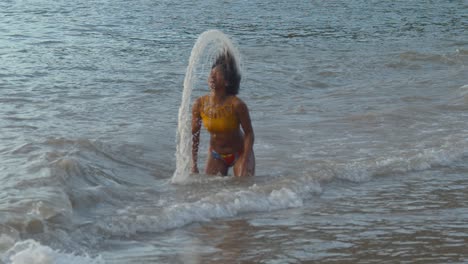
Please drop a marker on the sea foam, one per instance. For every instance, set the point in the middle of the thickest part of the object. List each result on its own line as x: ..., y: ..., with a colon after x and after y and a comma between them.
x: 32, y: 252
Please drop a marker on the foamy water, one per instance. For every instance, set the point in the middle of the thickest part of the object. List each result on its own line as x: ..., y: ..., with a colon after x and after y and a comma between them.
x: 359, y: 112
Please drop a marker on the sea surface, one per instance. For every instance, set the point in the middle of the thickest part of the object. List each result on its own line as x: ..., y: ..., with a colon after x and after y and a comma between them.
x: 360, y: 114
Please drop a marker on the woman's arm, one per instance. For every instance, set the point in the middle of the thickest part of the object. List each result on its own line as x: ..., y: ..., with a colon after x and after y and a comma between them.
x: 246, y: 124
x: 196, y: 126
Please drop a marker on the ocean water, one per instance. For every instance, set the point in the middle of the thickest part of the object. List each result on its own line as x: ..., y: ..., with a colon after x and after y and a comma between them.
x: 359, y: 109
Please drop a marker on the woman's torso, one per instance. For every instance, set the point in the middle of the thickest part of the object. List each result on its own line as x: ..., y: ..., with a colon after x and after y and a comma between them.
x: 223, y: 124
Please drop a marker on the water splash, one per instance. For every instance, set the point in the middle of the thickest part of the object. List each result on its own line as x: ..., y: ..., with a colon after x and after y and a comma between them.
x: 208, y: 45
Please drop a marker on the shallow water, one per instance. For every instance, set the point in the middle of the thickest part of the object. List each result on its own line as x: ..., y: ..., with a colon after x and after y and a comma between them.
x: 359, y: 111
x: 387, y: 219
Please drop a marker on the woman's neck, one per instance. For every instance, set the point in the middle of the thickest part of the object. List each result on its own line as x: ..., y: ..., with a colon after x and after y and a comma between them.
x: 218, y: 96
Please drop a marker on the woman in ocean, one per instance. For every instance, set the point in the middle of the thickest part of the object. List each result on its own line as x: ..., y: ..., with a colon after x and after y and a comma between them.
x: 227, y: 119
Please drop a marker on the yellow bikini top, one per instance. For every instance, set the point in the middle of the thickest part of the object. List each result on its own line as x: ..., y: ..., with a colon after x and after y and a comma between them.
x: 218, y: 119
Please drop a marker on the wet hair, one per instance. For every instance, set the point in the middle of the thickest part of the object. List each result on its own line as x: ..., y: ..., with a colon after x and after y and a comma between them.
x: 228, y: 66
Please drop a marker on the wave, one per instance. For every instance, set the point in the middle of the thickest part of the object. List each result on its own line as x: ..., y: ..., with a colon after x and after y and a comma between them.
x: 266, y: 193
x: 92, y: 193
x: 61, y: 178
x: 32, y: 252
x: 458, y: 100
x: 448, y: 59
x: 462, y: 52
x: 262, y: 194
x: 96, y: 174
x: 282, y: 194
x: 464, y: 93
x: 446, y: 153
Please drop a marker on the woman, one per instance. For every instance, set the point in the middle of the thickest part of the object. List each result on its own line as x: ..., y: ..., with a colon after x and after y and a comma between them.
x: 227, y: 119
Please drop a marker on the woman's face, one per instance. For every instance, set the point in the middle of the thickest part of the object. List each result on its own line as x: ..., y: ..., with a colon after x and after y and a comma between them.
x: 216, y: 79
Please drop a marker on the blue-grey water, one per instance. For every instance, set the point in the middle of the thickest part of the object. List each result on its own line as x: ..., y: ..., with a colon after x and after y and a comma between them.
x: 359, y: 108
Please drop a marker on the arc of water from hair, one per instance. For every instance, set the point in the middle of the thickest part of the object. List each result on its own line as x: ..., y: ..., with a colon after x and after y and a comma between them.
x: 218, y: 41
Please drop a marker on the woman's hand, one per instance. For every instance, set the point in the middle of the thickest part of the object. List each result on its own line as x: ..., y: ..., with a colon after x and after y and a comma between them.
x: 244, y: 166
x: 195, y: 170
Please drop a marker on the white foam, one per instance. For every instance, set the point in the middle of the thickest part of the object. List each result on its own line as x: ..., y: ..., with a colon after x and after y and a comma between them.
x: 284, y: 194
x: 464, y: 91
x: 8, y: 237
x: 359, y: 171
x: 6, y: 242
x: 32, y: 252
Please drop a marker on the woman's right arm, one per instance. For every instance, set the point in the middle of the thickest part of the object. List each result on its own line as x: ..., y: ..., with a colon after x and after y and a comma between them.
x: 196, y: 126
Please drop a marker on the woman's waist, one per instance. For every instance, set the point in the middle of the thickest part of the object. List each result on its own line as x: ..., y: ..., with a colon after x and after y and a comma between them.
x: 227, y: 144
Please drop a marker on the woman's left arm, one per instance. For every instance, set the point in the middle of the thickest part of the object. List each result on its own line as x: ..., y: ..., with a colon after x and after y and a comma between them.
x: 246, y: 124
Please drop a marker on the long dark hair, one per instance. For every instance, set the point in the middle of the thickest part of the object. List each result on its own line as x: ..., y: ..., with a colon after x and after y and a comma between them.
x: 228, y: 65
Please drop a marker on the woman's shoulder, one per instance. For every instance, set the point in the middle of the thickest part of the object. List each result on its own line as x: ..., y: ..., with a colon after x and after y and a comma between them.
x: 236, y: 100
x: 238, y: 103
x: 201, y: 99
x: 198, y: 103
